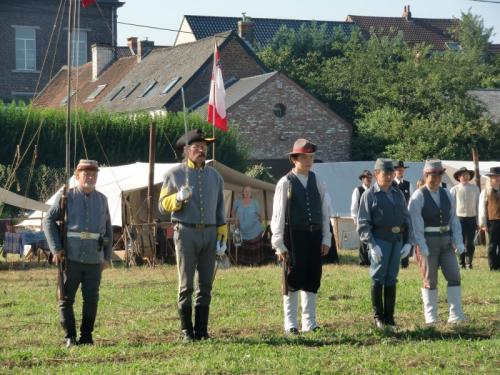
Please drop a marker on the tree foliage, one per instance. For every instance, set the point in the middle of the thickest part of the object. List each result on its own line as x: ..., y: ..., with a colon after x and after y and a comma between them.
x: 404, y: 102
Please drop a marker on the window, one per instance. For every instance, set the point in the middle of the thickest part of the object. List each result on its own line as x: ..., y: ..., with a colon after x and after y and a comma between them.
x: 79, y: 47
x: 131, y: 91
x: 118, y: 92
x: 65, y: 99
x: 95, y: 93
x: 148, y: 89
x: 25, y: 48
x: 279, y: 110
x: 453, y: 46
x: 170, y: 85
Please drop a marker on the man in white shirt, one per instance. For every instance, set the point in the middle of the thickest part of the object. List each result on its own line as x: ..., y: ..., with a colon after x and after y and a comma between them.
x: 301, y: 235
x: 366, y: 182
x: 466, y: 196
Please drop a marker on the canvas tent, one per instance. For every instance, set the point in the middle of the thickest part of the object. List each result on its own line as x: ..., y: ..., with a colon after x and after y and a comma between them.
x: 342, y: 177
x: 125, y: 186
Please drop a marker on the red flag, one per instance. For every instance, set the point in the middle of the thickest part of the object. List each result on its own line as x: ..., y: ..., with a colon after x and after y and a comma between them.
x: 86, y: 3
x: 216, y: 101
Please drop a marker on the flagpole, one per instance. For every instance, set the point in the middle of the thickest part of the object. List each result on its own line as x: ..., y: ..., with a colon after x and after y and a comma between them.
x: 215, y: 99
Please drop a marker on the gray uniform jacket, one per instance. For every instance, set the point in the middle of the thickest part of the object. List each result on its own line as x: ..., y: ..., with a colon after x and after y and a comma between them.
x: 206, y: 205
x: 380, y: 209
x: 86, y: 213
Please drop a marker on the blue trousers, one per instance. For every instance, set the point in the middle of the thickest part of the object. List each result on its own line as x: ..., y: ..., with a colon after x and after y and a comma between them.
x: 386, y: 272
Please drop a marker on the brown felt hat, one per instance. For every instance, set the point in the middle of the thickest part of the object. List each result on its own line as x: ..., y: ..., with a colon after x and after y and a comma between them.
x: 457, y: 174
x: 303, y: 146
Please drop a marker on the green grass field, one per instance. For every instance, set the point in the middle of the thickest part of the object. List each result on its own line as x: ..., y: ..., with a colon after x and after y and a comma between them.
x: 137, y: 326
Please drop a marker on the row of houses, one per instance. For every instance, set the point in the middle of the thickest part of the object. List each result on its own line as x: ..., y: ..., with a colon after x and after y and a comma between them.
x: 269, y: 109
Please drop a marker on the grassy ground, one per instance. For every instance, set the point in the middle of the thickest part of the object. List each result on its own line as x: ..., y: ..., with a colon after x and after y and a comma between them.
x: 137, y: 326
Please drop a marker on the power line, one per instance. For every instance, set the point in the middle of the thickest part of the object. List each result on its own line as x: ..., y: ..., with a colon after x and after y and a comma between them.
x: 155, y: 27
x: 487, y: 1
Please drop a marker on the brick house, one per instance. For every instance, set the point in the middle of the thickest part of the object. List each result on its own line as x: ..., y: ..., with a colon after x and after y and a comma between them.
x: 271, y: 111
x: 26, y: 27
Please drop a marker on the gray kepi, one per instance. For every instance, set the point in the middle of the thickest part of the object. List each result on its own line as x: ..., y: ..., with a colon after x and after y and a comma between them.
x: 382, y: 164
x: 434, y: 166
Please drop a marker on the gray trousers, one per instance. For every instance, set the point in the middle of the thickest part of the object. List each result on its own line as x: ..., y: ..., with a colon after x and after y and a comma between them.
x: 441, y: 255
x: 195, y: 253
x: 89, y: 276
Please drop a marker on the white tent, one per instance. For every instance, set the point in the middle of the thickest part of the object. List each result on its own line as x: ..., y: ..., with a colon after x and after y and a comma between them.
x: 125, y: 186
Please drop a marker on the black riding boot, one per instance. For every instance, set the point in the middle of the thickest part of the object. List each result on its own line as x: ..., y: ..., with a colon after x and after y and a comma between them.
x: 389, y: 303
x: 86, y: 330
x: 462, y: 260
x: 378, y: 308
x: 67, y: 318
x: 201, y: 322
x: 185, y: 313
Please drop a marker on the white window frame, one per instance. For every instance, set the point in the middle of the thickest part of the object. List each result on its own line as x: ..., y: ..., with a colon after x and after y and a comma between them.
x: 24, y: 66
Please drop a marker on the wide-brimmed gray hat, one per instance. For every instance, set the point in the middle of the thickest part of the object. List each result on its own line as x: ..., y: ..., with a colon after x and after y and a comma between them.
x: 459, y: 171
x: 384, y: 164
x: 494, y: 171
x: 434, y: 166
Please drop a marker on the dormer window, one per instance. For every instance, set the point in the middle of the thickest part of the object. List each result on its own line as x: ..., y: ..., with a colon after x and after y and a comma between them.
x: 170, y: 85
x: 95, y: 93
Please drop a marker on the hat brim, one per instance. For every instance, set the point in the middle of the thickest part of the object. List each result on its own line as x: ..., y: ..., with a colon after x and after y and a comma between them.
x: 492, y: 174
x: 457, y: 174
x: 300, y: 153
x: 435, y: 171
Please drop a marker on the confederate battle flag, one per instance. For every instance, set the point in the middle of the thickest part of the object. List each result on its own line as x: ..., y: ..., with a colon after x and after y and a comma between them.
x: 86, y: 3
x: 216, y: 101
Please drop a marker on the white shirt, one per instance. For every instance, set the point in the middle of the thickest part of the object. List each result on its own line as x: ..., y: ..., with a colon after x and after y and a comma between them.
x: 279, y: 207
x: 355, y: 203
x: 466, y: 198
x: 398, y: 181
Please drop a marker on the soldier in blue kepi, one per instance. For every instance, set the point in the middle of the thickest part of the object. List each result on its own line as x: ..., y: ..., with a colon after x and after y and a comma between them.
x: 87, y: 251
x: 382, y: 220
x: 192, y: 194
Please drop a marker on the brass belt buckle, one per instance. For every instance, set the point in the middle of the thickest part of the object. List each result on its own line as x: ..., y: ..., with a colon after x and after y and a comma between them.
x: 395, y: 230
x: 200, y: 226
x: 443, y: 229
x: 84, y: 235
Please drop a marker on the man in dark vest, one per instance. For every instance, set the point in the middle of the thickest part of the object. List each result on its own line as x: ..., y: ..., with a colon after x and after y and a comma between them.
x: 301, y: 235
x: 407, y: 189
x: 437, y: 231
x: 87, y: 252
x: 382, y: 219
x: 366, y: 181
x: 489, y: 217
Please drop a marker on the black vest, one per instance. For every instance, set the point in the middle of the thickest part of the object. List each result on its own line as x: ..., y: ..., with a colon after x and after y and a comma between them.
x: 306, y: 202
x: 404, y: 186
x: 361, y: 190
x: 433, y: 215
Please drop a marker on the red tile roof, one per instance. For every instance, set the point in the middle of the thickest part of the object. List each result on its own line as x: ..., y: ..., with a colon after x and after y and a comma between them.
x: 435, y: 32
x: 56, y: 90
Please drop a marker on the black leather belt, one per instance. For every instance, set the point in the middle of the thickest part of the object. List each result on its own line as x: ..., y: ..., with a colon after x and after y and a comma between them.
x: 308, y: 228
x: 395, y: 230
x: 196, y: 226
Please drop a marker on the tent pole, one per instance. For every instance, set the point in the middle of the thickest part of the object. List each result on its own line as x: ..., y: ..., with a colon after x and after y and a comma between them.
x: 152, y: 156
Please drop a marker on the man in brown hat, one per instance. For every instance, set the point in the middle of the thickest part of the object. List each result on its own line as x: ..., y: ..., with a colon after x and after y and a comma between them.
x: 87, y: 252
x: 466, y: 196
x: 437, y: 231
x: 192, y: 194
x: 489, y: 216
x: 366, y: 181
x: 301, y: 235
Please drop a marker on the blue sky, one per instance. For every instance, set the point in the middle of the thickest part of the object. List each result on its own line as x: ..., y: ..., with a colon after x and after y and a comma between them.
x: 168, y: 14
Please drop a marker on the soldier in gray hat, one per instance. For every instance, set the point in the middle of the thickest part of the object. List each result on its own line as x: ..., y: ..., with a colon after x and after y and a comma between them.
x: 382, y: 219
x: 87, y: 252
x: 437, y: 231
x: 192, y: 194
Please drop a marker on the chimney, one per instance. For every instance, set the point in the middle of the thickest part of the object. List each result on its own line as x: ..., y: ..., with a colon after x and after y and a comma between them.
x: 406, y: 12
x: 246, y: 29
x: 102, y: 57
x: 143, y: 48
x: 132, y: 44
